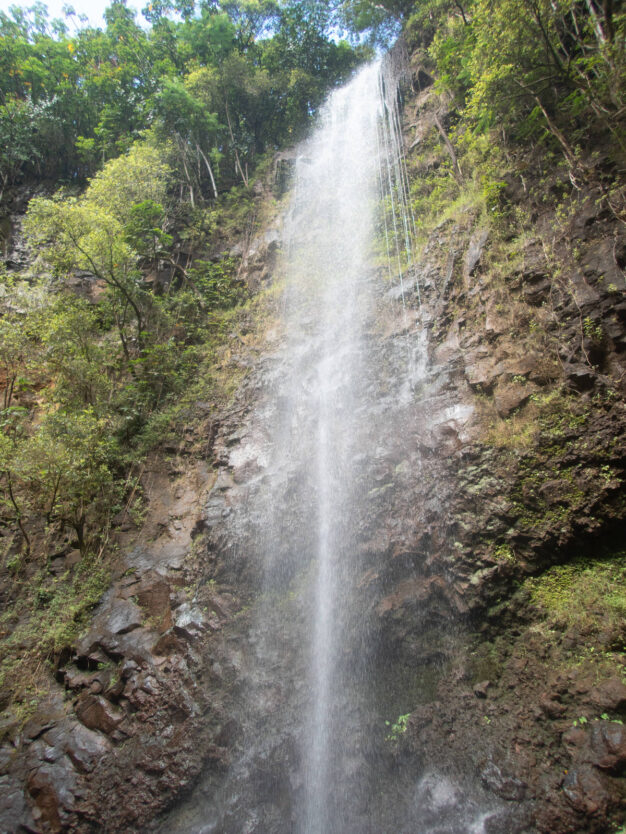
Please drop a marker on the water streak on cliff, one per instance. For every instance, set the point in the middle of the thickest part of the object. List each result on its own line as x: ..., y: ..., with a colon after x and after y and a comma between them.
x: 352, y: 163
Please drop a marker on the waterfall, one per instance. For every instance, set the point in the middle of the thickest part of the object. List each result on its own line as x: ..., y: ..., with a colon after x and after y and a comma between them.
x: 331, y: 434
x: 351, y: 162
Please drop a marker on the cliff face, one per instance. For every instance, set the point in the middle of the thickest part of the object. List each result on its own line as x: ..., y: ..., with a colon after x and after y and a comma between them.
x: 526, y: 339
x: 491, y: 580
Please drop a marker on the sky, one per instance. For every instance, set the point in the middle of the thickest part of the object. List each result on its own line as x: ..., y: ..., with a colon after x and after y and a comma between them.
x: 92, y: 8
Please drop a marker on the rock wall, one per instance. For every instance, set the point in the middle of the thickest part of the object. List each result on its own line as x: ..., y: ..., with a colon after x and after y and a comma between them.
x: 503, y: 459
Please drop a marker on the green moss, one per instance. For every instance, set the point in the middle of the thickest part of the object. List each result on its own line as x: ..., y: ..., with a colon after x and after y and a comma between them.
x: 47, y: 618
x: 503, y: 553
x: 587, y: 594
x: 549, y: 419
x: 485, y: 663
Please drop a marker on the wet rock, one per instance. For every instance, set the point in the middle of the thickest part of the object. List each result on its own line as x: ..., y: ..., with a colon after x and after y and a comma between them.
x: 12, y: 804
x: 551, y: 708
x: 510, y: 397
x: 284, y: 168
x: 7, y: 755
x: 437, y: 797
x: 506, y: 787
x: 585, y: 790
x: 153, y: 595
x: 52, y: 788
x: 574, y: 739
x: 48, y: 713
x: 84, y: 747
x: 581, y: 377
x: 609, y: 695
x: 474, y: 252
x: 495, y: 323
x: 480, y: 689
x: 555, y: 491
x: 123, y: 616
x: 168, y: 644
x: 482, y: 374
x: 96, y: 713
x: 189, y: 621
x: 600, y: 261
x: 508, y: 821
x: 608, y: 745
x: 536, y: 289
x: 272, y: 239
x: 588, y: 212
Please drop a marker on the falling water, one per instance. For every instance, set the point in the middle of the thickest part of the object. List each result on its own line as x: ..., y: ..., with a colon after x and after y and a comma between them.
x: 352, y: 162
x: 308, y: 760
x: 336, y: 194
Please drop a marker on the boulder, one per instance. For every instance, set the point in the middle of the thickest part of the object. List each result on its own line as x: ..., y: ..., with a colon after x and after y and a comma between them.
x: 153, y: 594
x: 96, y: 713
x: 504, y: 786
x: 585, y: 791
x: 168, y: 644
x: 84, y: 747
x: 581, y: 377
x: 53, y: 786
x: 551, y: 708
x: 609, y: 695
x: 482, y: 374
x: 121, y: 617
x: 189, y: 621
x: 511, y: 396
x: 474, y: 252
x: 608, y: 745
x: 12, y: 804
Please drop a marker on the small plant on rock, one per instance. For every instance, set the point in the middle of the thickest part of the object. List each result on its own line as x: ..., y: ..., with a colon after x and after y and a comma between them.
x: 398, y: 728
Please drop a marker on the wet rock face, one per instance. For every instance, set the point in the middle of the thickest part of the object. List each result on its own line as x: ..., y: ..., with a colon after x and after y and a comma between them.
x: 137, y: 710
x: 500, y: 455
x: 449, y: 524
x: 460, y: 506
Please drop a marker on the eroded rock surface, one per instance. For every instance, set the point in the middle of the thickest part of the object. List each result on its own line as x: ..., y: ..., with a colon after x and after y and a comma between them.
x: 498, y: 453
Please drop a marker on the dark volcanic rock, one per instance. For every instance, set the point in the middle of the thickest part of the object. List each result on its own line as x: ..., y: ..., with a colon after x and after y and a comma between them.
x: 506, y: 787
x: 96, y: 713
x: 608, y: 745
x: 609, y: 695
x: 585, y: 790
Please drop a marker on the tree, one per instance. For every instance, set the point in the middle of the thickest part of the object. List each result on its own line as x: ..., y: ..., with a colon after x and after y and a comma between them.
x: 527, y: 63
x: 76, y: 353
x: 17, y: 145
x: 89, y: 233
x: 63, y: 471
x: 194, y: 129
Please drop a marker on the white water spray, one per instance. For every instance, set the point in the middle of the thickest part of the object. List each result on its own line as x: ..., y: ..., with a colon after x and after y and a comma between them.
x: 334, y: 411
x: 352, y: 165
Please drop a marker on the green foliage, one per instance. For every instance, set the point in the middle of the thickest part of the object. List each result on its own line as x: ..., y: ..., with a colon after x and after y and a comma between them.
x: 46, y: 619
x: 217, y: 282
x: 398, y: 728
x: 63, y: 470
x: 222, y: 82
x: 378, y: 23
x: 96, y: 232
x: 17, y: 131
x: 587, y: 594
x: 75, y: 352
x: 158, y: 132
x: 143, y: 230
x: 503, y: 553
x: 532, y: 68
x: 593, y: 330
